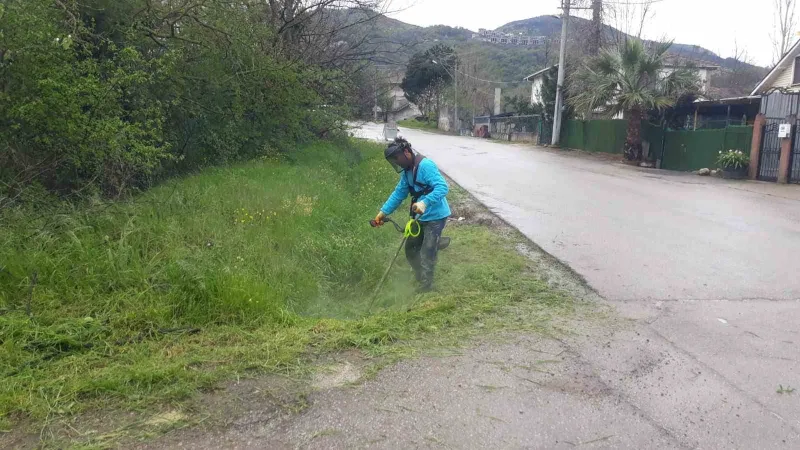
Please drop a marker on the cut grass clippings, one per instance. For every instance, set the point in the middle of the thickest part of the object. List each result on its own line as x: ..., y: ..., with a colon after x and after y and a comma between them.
x: 236, y: 271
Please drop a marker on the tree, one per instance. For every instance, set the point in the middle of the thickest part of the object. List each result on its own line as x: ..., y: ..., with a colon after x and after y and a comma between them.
x: 385, y: 103
x: 739, y: 77
x: 785, y: 27
x: 630, y: 80
x: 547, y: 93
x: 629, y: 18
x: 427, y: 75
x: 518, y: 104
x: 109, y: 96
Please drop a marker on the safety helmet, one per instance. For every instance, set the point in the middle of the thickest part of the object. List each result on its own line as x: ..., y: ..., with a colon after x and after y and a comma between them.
x: 394, y: 149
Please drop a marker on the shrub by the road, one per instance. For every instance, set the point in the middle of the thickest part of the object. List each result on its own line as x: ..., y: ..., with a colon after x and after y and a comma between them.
x: 109, y: 96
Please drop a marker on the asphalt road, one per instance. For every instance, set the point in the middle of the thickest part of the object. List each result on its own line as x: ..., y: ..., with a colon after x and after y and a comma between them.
x: 636, y: 234
x: 709, y: 266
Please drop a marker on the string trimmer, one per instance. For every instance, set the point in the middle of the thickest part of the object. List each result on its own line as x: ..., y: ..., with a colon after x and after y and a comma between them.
x: 412, y: 230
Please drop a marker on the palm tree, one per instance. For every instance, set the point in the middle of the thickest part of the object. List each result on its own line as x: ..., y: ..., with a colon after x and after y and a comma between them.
x: 629, y: 79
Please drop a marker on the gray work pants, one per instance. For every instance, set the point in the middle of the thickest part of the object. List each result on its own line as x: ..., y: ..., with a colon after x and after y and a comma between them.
x: 422, y: 251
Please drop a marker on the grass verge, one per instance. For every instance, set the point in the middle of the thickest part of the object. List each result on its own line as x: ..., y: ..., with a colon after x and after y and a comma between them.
x: 234, y: 272
x: 418, y: 124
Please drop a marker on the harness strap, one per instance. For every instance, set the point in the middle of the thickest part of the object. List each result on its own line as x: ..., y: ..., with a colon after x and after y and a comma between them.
x: 415, y: 194
x: 412, y: 186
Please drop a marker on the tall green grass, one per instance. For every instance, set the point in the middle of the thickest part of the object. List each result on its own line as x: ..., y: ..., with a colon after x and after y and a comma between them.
x: 234, y: 270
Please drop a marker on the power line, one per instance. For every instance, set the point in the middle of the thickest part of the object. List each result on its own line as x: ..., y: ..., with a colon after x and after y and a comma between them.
x: 488, y: 81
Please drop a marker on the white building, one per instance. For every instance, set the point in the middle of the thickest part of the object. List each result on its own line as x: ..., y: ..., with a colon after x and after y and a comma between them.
x: 784, y: 76
x: 497, y: 37
x: 401, y: 108
x: 537, y: 81
x: 703, y: 72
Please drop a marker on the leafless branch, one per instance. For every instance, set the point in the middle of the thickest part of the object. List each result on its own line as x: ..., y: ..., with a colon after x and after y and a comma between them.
x: 785, y: 27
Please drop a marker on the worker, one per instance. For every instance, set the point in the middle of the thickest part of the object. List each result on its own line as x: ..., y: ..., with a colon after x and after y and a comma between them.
x: 420, y: 179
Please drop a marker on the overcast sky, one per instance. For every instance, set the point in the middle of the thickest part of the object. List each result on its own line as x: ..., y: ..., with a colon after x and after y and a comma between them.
x: 714, y: 24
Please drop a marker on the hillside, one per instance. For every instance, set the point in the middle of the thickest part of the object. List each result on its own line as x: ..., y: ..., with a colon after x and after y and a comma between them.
x: 512, y: 63
x: 551, y: 26
x: 535, y: 26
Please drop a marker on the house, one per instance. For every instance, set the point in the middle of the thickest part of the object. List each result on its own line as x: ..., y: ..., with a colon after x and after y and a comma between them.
x: 721, y: 113
x: 785, y: 76
x: 702, y: 69
x: 537, y: 81
x: 401, y: 108
x: 703, y: 72
x: 775, y: 156
x: 497, y: 37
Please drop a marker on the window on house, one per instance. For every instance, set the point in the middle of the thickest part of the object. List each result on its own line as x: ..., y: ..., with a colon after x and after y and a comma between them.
x: 796, y: 77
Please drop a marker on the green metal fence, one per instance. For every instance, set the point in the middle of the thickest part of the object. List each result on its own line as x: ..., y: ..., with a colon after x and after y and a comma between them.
x: 681, y: 150
x: 606, y: 136
x: 693, y: 150
x: 654, y: 135
x: 739, y: 138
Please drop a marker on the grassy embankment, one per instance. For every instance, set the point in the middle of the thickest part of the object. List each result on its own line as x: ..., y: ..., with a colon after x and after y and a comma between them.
x: 236, y: 271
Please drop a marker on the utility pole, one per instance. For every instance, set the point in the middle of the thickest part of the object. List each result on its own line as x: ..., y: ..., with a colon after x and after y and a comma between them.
x: 562, y: 66
x: 455, y: 75
x: 597, y: 27
x: 375, y: 109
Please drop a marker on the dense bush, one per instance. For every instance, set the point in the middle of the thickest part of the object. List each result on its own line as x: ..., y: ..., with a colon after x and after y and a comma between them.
x: 109, y: 95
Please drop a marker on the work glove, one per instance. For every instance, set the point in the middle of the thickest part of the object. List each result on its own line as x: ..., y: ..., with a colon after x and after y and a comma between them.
x: 379, y: 218
x: 419, y: 208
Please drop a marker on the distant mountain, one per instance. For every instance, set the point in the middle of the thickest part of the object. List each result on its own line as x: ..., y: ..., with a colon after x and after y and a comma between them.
x: 512, y: 63
x: 535, y: 26
x: 551, y: 26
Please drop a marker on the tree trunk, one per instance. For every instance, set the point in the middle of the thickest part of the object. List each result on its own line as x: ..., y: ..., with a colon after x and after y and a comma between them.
x: 633, y: 140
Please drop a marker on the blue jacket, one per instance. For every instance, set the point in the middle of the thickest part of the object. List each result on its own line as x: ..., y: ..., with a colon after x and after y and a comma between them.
x: 428, y: 175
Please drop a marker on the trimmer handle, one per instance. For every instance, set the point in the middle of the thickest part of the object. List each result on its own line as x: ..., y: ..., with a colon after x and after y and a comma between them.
x: 375, y: 224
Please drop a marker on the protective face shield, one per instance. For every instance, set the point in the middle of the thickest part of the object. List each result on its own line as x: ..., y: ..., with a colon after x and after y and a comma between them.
x: 394, y: 151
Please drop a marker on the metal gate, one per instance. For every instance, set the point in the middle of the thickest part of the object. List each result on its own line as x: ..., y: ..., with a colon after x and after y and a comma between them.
x: 794, y: 168
x: 770, y: 156
x: 545, y: 133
